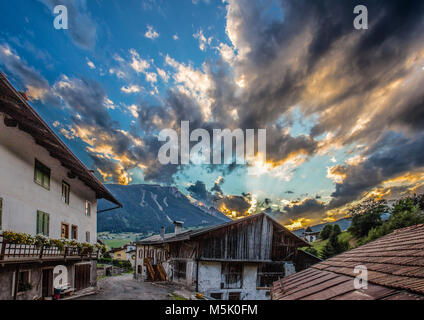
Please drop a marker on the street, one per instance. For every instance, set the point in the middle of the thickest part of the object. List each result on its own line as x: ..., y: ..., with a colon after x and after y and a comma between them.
x: 124, y: 287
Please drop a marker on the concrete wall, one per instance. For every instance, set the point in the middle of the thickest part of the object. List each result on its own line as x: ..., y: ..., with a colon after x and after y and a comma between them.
x: 210, y: 281
x: 22, y: 197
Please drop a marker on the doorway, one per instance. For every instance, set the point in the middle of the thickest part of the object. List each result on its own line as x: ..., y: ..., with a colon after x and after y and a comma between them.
x: 47, y: 283
x: 82, y: 276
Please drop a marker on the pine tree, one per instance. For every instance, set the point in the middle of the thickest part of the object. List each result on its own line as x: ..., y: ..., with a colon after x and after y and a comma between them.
x: 328, y: 251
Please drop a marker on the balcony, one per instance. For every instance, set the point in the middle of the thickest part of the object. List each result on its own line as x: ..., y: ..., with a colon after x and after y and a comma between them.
x: 21, y: 253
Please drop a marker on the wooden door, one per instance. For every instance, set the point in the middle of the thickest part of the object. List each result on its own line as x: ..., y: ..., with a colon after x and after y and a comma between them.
x: 82, y: 276
x: 47, y: 283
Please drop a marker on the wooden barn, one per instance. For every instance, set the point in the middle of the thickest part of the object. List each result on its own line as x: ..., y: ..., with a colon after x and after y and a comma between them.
x: 237, y: 260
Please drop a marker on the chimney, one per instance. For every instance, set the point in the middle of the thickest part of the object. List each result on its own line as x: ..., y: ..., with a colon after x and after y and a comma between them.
x: 162, y: 233
x: 178, y: 226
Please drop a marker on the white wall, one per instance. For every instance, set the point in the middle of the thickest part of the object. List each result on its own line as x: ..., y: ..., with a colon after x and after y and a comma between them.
x: 210, y: 281
x: 22, y: 197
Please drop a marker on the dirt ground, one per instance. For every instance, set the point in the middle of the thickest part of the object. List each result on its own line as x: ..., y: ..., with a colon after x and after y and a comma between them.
x: 124, y: 287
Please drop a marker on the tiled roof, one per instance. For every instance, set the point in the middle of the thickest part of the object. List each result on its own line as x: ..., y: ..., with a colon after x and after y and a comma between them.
x: 395, y: 265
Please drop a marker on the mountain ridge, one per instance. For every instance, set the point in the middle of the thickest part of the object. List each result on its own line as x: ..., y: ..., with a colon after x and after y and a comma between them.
x: 147, y: 208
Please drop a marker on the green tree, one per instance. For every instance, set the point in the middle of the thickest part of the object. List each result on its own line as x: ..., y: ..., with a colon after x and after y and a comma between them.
x: 328, y: 251
x: 334, y: 241
x: 366, y: 216
x: 405, y: 213
x: 326, y: 232
x: 336, y: 229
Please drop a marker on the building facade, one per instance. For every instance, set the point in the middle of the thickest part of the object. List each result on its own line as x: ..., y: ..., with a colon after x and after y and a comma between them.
x: 238, y: 260
x: 44, y: 190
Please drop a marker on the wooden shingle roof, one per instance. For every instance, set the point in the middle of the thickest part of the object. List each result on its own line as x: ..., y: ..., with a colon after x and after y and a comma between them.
x: 21, y: 114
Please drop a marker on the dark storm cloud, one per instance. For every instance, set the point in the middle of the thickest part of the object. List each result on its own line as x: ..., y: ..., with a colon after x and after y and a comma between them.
x: 226, y: 203
x: 279, y: 81
x: 217, y: 186
x: 198, y: 191
x: 37, y: 86
x: 87, y: 99
x: 239, y: 204
x: 390, y: 157
x: 281, y: 146
x: 81, y: 26
x: 300, y: 209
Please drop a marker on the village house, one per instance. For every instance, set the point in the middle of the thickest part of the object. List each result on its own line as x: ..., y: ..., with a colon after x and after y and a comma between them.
x: 44, y: 190
x: 238, y: 260
x: 124, y: 253
x: 309, y: 235
x: 389, y: 268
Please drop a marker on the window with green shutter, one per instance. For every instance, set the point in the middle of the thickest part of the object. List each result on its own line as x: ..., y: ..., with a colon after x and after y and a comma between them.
x: 43, y: 223
x: 42, y: 175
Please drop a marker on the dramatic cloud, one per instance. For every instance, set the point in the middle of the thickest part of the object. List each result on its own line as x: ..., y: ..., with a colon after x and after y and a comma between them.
x: 37, y: 86
x: 81, y: 26
x: 359, y: 91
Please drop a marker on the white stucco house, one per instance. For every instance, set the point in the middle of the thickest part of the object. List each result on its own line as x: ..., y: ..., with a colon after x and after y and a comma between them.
x: 44, y: 189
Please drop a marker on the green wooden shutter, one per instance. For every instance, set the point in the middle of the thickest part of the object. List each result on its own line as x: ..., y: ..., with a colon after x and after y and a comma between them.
x: 1, y: 210
x: 39, y: 222
x: 46, y: 224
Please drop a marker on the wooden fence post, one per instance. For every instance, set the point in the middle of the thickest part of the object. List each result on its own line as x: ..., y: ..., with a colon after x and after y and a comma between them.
x: 41, y: 252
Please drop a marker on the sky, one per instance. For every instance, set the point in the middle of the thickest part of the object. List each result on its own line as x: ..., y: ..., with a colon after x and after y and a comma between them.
x: 343, y: 108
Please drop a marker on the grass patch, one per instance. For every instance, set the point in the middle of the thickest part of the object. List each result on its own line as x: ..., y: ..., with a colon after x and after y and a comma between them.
x: 116, y: 243
x: 174, y: 296
x: 319, y: 245
x: 347, y: 237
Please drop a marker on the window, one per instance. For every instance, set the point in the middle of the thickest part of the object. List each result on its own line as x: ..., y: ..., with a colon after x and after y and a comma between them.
x: 1, y: 210
x: 24, y: 283
x: 140, y: 254
x: 234, y: 296
x: 231, y: 276
x: 65, y: 231
x: 66, y: 190
x: 268, y: 273
x: 180, y: 268
x: 139, y: 269
x: 216, y: 296
x: 42, y: 175
x: 43, y: 223
x: 87, y: 236
x: 74, y: 233
x: 87, y: 208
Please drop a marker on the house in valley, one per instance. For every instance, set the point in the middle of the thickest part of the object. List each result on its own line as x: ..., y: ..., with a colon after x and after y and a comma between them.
x: 309, y: 235
x: 45, y: 191
x: 238, y: 260
x: 124, y: 253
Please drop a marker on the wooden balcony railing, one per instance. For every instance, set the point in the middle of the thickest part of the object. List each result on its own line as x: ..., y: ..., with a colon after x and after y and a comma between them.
x: 10, y: 252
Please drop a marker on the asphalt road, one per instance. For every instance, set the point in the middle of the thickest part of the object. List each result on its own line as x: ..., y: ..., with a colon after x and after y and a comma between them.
x: 124, y: 287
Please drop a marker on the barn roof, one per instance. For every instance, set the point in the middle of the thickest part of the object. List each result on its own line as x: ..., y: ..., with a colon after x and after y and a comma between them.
x: 190, y: 234
x: 395, y: 265
x: 20, y: 113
